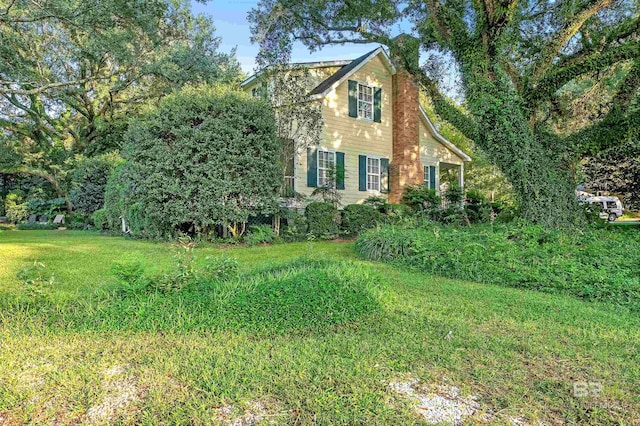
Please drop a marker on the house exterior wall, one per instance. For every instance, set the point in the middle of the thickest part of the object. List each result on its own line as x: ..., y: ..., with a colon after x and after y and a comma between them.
x: 354, y: 136
x: 432, y: 152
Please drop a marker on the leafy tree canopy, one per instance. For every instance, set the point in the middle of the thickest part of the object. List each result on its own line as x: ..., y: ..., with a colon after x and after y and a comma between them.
x: 73, y: 71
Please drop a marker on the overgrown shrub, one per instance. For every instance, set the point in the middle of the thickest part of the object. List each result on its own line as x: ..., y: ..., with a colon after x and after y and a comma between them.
x: 398, y: 213
x: 421, y: 198
x: 594, y: 265
x: 378, y: 203
x: 260, y: 234
x: 100, y: 219
x: 205, y: 157
x: 322, y: 220
x: 89, y: 181
x: 15, y: 208
x: 476, y: 207
x: 357, y: 218
x: 293, y: 226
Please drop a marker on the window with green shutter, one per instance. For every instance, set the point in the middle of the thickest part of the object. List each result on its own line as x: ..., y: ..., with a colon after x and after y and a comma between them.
x: 362, y: 172
x: 365, y: 101
x: 353, y: 98
x: 377, y: 105
x: 339, y: 170
x: 430, y: 176
x: 312, y: 167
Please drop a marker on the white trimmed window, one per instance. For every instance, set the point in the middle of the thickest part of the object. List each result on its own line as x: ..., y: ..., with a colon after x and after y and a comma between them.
x: 326, y: 165
x: 365, y: 101
x: 373, y: 174
x: 427, y: 176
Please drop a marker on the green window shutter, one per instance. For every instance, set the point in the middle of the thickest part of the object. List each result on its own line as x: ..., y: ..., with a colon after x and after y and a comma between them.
x: 362, y: 172
x: 384, y: 175
x: 339, y: 170
x: 312, y: 167
x: 432, y: 177
x: 377, y: 105
x: 353, y: 98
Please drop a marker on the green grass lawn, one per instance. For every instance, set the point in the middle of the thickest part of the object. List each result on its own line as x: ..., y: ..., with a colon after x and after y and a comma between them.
x: 313, y: 341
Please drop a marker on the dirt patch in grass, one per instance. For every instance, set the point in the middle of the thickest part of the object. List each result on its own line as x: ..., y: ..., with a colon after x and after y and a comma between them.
x: 439, y: 404
x: 253, y: 413
x: 120, y: 396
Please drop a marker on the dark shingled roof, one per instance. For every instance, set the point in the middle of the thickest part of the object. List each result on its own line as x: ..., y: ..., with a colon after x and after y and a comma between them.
x: 346, y: 69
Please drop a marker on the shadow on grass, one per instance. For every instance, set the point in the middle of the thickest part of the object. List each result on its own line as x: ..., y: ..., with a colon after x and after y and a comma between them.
x: 298, y: 296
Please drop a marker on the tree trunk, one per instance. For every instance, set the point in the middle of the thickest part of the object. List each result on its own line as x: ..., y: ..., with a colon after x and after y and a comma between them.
x: 540, y: 174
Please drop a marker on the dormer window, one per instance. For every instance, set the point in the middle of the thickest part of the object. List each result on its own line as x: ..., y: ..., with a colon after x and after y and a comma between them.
x: 365, y: 102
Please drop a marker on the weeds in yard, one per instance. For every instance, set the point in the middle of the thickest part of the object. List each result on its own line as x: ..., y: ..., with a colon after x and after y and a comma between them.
x: 593, y: 265
x: 37, y: 281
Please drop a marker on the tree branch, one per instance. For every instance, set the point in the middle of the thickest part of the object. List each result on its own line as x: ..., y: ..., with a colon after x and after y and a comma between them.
x: 551, y: 51
x: 6, y: 86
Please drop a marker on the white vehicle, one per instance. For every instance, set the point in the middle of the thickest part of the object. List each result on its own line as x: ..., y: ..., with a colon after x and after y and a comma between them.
x: 610, y: 208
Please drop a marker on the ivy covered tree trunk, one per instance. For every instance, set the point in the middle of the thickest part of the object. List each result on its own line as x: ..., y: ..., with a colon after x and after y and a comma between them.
x: 541, y: 177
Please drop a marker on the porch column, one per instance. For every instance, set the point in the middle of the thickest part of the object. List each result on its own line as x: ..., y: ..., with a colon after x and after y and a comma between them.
x: 461, y: 176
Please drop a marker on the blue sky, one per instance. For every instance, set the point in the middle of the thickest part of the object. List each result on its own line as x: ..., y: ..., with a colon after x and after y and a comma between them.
x: 230, y: 18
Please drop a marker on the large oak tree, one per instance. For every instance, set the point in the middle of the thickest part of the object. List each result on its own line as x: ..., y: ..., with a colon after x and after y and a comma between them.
x: 513, y: 57
x: 73, y: 71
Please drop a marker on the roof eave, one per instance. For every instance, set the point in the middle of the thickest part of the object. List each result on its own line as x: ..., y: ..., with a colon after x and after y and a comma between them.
x: 317, y: 64
x: 446, y: 142
x: 345, y: 77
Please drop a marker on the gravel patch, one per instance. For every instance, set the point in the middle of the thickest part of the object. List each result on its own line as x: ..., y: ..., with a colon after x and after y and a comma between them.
x: 444, y: 404
x: 120, y: 392
x: 254, y: 413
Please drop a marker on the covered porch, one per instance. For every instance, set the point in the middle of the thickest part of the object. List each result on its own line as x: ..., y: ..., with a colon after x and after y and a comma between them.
x: 450, y: 175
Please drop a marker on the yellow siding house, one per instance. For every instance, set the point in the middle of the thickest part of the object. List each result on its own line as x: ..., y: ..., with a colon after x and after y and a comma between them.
x: 374, y: 129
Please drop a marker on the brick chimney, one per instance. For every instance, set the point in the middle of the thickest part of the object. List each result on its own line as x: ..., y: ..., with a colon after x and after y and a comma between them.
x: 405, y: 168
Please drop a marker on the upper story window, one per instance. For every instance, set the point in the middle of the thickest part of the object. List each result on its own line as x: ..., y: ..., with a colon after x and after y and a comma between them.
x: 365, y: 101
x: 373, y: 174
x: 326, y: 166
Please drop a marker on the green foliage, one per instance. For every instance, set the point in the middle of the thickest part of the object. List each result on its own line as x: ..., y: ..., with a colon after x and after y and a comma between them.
x: 454, y: 195
x: 37, y: 281
x: 421, y: 198
x: 615, y: 171
x: 357, y: 218
x: 89, y: 181
x: 36, y: 226
x: 14, y: 207
x: 100, y: 220
x: 294, y: 226
x: 344, y: 320
x: 378, y: 203
x: 49, y: 207
x: 593, y: 265
x: 73, y: 73
x: 322, y: 220
x: 205, y: 157
x: 477, y: 209
x: 260, y: 234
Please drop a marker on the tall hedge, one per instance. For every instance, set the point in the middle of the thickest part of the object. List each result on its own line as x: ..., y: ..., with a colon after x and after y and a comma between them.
x: 206, y: 156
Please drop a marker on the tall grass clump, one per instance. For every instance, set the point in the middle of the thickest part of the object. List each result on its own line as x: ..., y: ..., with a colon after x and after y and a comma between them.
x: 593, y: 265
